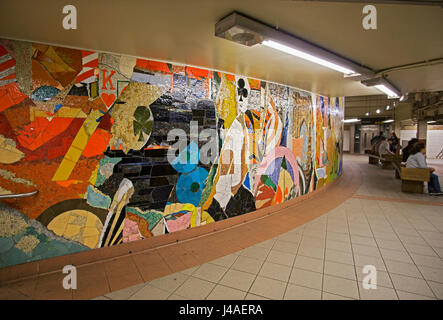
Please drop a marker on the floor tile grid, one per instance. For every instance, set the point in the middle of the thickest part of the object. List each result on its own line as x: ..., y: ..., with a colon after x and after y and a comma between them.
x: 227, y: 269
x: 424, y: 239
x: 173, y: 292
x: 324, y: 259
x: 405, y: 250
x: 359, y: 253
x: 387, y: 271
x: 217, y: 283
x: 421, y: 235
x: 353, y: 258
x: 258, y: 272
x: 384, y: 258
x: 323, y: 292
x: 430, y: 288
x: 192, y: 271
x: 293, y: 261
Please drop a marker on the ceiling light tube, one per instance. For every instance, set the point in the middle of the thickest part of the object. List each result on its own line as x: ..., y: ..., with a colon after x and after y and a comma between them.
x: 307, y: 56
x: 386, y: 90
x: 388, y: 121
x: 351, y: 120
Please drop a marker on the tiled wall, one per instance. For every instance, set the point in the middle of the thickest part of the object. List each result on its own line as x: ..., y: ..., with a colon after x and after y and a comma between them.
x: 89, y: 131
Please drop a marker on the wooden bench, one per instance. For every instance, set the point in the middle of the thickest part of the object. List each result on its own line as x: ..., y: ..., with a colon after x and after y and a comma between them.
x: 386, y: 161
x: 373, y: 158
x: 397, y: 166
x: 390, y: 159
x: 412, y: 179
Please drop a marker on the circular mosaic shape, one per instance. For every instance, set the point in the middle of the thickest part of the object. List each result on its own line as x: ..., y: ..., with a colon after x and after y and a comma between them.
x: 190, y: 186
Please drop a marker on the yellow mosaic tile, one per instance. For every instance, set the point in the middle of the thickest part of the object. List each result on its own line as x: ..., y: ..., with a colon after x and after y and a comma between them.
x: 91, y: 231
x: 78, y: 145
x: 91, y: 241
x: 73, y: 154
x: 8, y: 151
x: 72, y: 230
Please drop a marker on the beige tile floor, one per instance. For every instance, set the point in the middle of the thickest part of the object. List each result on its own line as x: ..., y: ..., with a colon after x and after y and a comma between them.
x: 324, y: 258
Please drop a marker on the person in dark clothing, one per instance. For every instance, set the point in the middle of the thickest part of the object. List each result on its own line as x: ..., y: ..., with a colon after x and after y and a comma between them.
x: 395, y: 146
x: 376, y: 139
x: 408, y: 149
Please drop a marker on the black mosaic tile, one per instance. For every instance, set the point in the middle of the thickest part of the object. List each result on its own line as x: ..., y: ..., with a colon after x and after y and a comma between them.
x: 161, y: 193
x: 163, y: 170
x: 158, y: 181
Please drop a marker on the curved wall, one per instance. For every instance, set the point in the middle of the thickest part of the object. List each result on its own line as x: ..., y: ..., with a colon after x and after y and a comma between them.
x: 122, y: 149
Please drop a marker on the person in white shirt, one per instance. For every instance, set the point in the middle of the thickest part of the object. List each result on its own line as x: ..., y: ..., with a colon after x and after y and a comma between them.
x: 384, y: 146
x: 417, y: 160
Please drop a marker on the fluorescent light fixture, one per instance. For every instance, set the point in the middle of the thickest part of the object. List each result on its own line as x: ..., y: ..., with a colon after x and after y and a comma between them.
x: 351, y: 120
x: 378, y: 111
x: 388, y: 107
x: 367, y: 114
x: 430, y: 122
x: 250, y: 32
x: 383, y: 85
x: 307, y: 56
x: 386, y: 90
x: 388, y: 121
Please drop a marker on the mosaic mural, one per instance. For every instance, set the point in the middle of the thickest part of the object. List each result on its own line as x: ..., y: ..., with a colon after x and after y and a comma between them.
x: 90, y: 132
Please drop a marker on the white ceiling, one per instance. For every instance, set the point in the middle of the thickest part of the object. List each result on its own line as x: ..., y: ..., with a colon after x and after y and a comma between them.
x: 183, y: 31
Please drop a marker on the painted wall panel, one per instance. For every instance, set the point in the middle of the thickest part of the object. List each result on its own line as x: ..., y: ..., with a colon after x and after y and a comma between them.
x: 123, y: 149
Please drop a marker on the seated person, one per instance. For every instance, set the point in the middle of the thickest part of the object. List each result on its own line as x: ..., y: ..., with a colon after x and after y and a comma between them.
x: 417, y: 160
x: 375, y: 141
x: 384, y: 146
x: 407, y: 150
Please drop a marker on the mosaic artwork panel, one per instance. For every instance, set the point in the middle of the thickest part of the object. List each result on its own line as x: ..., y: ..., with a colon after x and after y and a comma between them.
x: 91, y: 132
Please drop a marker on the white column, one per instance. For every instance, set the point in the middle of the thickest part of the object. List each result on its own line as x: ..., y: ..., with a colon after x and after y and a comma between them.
x: 422, y: 129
